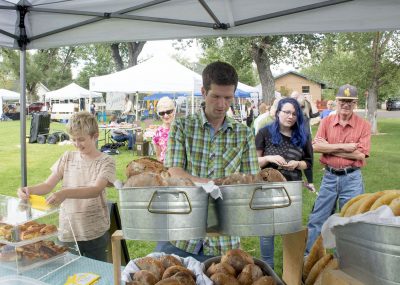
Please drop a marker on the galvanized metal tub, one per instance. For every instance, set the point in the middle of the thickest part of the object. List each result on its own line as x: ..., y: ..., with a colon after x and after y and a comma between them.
x: 369, y: 252
x: 163, y: 213
x: 267, y: 270
x: 259, y: 209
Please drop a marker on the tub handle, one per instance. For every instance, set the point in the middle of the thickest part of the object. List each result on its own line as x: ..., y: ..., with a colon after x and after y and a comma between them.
x: 159, y: 193
x: 286, y: 203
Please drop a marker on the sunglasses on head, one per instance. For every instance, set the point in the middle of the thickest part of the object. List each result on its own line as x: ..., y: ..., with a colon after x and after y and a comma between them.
x: 168, y: 112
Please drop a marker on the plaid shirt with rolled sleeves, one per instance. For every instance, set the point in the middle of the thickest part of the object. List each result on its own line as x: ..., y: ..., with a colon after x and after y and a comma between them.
x: 193, y: 147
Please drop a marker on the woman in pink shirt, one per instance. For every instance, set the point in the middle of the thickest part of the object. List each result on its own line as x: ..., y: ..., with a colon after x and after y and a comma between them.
x: 166, y: 111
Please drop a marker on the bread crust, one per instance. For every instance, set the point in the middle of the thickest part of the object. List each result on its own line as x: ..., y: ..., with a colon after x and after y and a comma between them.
x: 368, y: 202
x: 395, y: 206
x: 351, y: 202
x: 224, y: 279
x: 316, y: 253
x: 317, y: 269
x: 151, y: 264
x: 332, y: 264
x: 265, y: 280
x: 386, y: 199
x: 237, y: 258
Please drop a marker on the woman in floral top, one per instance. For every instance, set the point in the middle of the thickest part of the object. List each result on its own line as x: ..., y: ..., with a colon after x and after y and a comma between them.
x: 166, y: 111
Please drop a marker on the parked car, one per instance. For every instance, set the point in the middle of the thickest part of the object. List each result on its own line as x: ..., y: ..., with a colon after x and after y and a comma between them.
x: 35, y: 107
x: 393, y: 104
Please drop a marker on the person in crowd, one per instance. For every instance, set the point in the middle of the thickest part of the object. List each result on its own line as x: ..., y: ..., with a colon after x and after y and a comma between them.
x: 85, y: 174
x: 263, y: 119
x: 166, y: 111
x: 249, y: 114
x: 209, y: 145
x: 93, y: 109
x: 121, y: 135
x: 329, y: 108
x: 284, y: 145
x: 309, y: 110
x: 128, y: 110
x: 344, y: 141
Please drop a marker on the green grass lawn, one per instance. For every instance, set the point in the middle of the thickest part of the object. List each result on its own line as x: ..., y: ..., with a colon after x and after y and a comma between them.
x: 381, y: 173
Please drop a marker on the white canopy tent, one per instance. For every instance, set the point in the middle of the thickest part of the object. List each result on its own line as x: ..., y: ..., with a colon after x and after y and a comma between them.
x: 71, y: 92
x: 7, y: 95
x: 36, y: 24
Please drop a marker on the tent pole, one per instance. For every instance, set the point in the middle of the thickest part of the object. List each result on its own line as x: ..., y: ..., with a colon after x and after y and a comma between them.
x: 137, y: 106
x: 22, y: 68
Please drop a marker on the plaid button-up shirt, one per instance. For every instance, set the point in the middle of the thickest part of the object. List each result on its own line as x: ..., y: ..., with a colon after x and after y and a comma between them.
x: 193, y: 146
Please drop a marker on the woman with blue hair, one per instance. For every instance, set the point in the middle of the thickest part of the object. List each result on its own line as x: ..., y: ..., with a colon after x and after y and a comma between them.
x: 283, y: 145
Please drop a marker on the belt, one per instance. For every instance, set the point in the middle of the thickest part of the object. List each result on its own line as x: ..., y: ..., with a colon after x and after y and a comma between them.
x: 341, y: 171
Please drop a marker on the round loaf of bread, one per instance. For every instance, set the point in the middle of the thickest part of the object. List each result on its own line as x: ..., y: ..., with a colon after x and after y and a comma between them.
x: 237, y: 258
x: 221, y: 267
x: 169, y: 260
x: 145, y: 277
x: 170, y: 271
x: 184, y: 278
x: 224, y: 279
x: 151, y: 264
x: 265, y: 280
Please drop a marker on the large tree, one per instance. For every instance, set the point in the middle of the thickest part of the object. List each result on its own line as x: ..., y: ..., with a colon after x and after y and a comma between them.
x: 264, y: 51
x: 370, y: 61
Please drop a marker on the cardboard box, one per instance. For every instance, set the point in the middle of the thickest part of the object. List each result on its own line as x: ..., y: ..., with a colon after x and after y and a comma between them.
x: 294, y: 245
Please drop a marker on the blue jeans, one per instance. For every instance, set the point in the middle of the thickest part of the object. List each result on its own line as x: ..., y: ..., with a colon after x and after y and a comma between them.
x: 168, y: 248
x: 129, y: 137
x: 267, y: 250
x: 333, y: 188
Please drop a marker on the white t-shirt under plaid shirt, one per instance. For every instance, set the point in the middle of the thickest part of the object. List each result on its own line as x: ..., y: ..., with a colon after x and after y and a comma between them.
x: 194, y: 146
x: 89, y: 217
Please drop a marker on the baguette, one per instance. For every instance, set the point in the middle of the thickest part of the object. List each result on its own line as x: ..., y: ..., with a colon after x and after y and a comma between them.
x: 352, y: 210
x: 351, y: 202
x: 333, y: 264
x: 317, y: 269
x: 395, y: 206
x: 386, y: 199
x: 368, y: 202
x: 316, y: 253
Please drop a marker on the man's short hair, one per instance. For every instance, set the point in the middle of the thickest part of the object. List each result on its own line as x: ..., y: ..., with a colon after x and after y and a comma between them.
x: 82, y: 123
x: 219, y: 73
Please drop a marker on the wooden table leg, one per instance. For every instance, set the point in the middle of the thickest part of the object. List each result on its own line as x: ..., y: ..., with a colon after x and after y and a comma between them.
x: 116, y: 254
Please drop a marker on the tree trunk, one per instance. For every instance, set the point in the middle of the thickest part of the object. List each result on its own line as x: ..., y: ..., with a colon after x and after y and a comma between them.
x: 263, y: 64
x: 373, y: 90
x: 134, y: 49
x: 119, y: 64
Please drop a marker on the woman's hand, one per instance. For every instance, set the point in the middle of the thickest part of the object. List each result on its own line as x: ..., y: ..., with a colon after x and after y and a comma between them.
x: 291, y: 165
x: 23, y: 193
x: 56, y: 198
x: 277, y: 159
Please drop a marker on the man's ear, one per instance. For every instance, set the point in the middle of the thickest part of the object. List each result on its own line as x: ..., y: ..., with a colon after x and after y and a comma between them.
x: 203, y: 92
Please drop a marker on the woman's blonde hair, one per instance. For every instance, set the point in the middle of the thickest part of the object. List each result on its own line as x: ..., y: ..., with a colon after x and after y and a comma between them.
x: 82, y: 123
x: 165, y: 103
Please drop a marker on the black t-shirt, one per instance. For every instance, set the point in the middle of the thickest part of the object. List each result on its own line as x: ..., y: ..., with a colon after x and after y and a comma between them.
x: 285, y: 149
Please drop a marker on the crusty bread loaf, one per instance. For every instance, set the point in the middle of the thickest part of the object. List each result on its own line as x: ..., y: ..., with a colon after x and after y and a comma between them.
x: 317, y: 251
x: 151, y: 264
x: 237, y: 258
x: 235, y: 179
x: 170, y: 271
x: 352, y: 210
x: 265, y: 280
x: 145, y: 179
x: 177, y: 181
x: 184, y: 278
x: 317, y: 269
x: 272, y: 175
x: 145, y: 164
x: 244, y: 278
x: 169, y: 281
x: 385, y: 199
x: 221, y: 267
x: 169, y: 260
x: 368, y: 202
x: 224, y: 279
x: 395, y: 206
x: 332, y: 264
x: 351, y: 202
x: 254, y: 271
x: 144, y: 277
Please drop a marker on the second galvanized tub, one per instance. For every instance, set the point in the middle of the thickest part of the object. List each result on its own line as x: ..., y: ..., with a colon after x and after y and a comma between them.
x: 163, y: 213
x: 259, y: 209
x: 369, y: 252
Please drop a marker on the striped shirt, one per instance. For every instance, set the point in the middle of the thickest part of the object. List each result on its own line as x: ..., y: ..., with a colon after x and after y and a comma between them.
x: 194, y: 146
x: 357, y: 130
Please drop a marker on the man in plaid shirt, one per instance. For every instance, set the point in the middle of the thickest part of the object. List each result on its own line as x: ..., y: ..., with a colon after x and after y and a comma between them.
x: 210, y: 145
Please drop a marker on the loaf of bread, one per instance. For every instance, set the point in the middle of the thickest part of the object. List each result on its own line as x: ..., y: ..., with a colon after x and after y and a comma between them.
x: 395, y: 206
x: 317, y: 269
x: 170, y: 271
x: 265, y: 280
x: 224, y: 279
x: 145, y: 164
x: 169, y: 260
x: 350, y: 203
x: 368, y: 202
x: 184, y: 278
x: 272, y: 175
x: 386, y: 199
x: 145, y: 179
x: 317, y: 251
x: 237, y: 258
x: 222, y: 268
x: 332, y: 264
x: 151, y: 264
x: 144, y: 277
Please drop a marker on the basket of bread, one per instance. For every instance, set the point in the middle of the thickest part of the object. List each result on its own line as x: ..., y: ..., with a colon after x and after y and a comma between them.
x: 237, y: 267
x: 164, y: 269
x: 368, y: 247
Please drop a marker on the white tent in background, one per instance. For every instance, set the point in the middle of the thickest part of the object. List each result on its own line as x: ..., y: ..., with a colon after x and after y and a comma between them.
x: 7, y: 95
x: 71, y: 92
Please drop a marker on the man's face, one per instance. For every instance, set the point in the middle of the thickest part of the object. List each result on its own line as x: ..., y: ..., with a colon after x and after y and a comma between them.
x: 345, y: 106
x: 218, y: 100
x: 84, y: 143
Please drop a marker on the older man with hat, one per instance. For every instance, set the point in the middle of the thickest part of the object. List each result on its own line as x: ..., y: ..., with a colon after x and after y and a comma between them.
x: 344, y: 141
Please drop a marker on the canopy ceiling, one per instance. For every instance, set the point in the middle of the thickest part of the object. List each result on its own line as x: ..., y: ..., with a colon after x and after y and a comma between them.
x: 50, y: 23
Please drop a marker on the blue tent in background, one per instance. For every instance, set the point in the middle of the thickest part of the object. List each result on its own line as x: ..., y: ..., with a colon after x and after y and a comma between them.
x: 159, y: 95
x: 238, y: 94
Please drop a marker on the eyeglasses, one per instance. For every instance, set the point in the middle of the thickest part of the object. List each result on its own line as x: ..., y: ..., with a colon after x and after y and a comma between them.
x: 168, y: 112
x: 288, y: 113
x: 344, y: 102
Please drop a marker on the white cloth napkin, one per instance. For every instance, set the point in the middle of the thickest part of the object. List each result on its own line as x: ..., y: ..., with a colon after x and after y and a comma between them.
x: 211, y: 189
x: 382, y: 215
x: 189, y: 262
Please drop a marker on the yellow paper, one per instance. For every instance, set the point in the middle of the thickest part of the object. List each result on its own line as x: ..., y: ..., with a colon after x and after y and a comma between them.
x: 38, y: 202
x: 82, y: 279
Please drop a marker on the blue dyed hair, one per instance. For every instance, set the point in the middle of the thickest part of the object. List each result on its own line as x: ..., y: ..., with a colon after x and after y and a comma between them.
x: 299, y: 133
